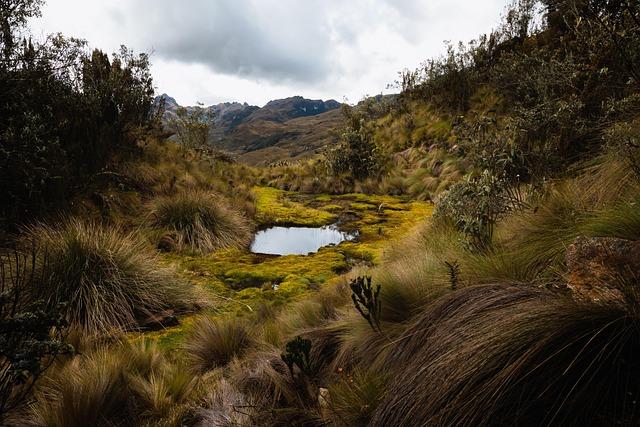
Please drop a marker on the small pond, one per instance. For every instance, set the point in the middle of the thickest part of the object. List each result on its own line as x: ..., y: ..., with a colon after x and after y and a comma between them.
x: 297, y: 240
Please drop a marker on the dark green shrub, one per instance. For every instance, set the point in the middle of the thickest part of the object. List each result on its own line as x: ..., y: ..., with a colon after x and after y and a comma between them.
x: 357, y: 153
x: 474, y: 205
x: 31, y: 333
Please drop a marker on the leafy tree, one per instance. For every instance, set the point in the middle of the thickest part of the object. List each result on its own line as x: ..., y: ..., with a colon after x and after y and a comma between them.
x: 13, y: 16
x: 192, y: 128
x: 357, y: 153
x: 65, y: 114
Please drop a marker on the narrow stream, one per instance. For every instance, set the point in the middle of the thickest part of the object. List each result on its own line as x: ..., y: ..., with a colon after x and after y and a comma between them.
x: 297, y: 240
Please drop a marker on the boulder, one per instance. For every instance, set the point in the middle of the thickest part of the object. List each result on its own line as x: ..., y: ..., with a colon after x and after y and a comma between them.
x: 159, y: 320
x: 601, y: 267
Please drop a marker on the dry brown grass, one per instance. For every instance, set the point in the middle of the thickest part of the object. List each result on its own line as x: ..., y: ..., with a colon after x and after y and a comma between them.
x: 107, y: 277
x: 514, y: 354
x: 200, y: 221
x: 127, y: 384
x: 216, y: 342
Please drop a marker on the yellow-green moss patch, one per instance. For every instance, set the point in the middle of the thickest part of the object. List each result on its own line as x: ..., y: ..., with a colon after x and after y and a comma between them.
x: 275, y: 207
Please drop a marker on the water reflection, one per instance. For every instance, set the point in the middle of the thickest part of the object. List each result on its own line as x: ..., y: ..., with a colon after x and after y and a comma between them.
x: 297, y: 240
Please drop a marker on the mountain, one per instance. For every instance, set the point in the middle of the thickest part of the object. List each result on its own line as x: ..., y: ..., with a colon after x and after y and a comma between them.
x: 286, y: 129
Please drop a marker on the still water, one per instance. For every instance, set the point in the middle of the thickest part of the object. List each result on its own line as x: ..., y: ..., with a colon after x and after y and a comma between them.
x: 297, y: 240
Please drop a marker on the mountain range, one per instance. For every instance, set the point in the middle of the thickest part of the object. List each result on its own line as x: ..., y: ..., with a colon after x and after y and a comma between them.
x: 286, y: 129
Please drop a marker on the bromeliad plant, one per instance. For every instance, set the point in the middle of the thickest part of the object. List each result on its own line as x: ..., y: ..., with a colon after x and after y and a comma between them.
x: 367, y: 300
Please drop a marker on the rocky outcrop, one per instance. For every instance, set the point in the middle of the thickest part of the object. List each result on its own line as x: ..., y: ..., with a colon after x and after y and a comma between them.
x: 601, y: 267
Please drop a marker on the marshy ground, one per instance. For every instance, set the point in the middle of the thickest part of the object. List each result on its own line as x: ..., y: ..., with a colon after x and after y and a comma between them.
x: 237, y: 281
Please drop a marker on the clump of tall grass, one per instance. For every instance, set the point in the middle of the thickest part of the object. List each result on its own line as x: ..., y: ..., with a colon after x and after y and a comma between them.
x: 200, y: 221
x: 125, y: 385
x: 215, y: 342
x: 354, y: 398
x: 107, y: 277
x: 515, y: 354
x: 277, y: 397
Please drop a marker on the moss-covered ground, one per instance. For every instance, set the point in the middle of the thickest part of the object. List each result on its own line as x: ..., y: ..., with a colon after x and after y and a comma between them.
x: 238, y: 282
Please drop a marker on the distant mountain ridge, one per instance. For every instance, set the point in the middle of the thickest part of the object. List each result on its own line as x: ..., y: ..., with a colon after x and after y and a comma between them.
x: 284, y: 129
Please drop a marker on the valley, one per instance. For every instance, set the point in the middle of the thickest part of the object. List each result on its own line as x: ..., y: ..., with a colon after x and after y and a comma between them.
x: 464, y: 252
x: 284, y: 130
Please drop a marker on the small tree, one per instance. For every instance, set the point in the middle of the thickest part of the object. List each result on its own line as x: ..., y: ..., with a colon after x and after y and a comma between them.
x: 192, y: 128
x: 356, y: 153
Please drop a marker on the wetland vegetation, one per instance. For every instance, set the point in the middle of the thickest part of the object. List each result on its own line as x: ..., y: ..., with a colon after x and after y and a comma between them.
x: 481, y: 269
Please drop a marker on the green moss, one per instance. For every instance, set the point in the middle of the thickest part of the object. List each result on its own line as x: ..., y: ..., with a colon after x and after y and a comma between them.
x: 275, y: 207
x: 359, y: 206
x: 332, y: 208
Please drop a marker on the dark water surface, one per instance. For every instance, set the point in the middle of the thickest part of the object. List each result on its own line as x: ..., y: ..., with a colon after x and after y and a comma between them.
x: 297, y: 240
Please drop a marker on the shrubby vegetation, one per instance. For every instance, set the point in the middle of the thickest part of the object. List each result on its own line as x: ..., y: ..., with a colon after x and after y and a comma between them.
x: 526, y: 140
x: 67, y: 112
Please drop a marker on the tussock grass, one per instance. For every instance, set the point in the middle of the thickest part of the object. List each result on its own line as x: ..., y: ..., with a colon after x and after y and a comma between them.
x: 124, y: 385
x: 277, y: 397
x: 199, y: 221
x: 216, y: 342
x: 354, y: 398
x: 222, y: 407
x: 514, y: 354
x: 109, y: 278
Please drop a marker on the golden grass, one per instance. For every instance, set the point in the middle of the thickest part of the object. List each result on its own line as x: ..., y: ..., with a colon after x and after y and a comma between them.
x: 107, y: 277
x: 200, y: 221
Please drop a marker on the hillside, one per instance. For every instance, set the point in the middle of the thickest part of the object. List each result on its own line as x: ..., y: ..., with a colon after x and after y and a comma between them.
x: 464, y: 253
x: 283, y: 130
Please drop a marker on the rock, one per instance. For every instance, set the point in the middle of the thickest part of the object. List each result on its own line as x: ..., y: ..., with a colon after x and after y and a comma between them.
x: 324, y: 402
x: 600, y: 267
x: 167, y: 243
x: 159, y: 320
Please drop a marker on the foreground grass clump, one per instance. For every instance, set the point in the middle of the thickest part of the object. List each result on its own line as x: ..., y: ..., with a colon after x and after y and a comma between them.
x: 515, y: 354
x: 355, y: 397
x: 129, y: 384
x: 108, y: 278
x: 215, y: 342
x: 199, y: 221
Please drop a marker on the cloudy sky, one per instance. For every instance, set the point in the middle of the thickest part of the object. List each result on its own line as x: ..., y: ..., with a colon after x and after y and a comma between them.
x: 256, y: 50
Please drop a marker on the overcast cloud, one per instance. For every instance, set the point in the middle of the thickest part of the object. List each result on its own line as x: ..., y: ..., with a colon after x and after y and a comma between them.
x: 257, y: 50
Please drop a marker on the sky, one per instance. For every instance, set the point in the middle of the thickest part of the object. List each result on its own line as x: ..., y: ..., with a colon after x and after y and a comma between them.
x: 254, y: 51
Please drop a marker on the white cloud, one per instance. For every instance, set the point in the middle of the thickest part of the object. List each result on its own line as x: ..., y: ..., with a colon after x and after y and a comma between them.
x: 257, y: 50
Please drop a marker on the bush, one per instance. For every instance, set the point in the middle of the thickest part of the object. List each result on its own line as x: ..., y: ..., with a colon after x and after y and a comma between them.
x: 474, y: 206
x: 357, y: 153
x: 200, y: 221
x: 216, y: 342
x: 108, y: 278
x: 31, y: 334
